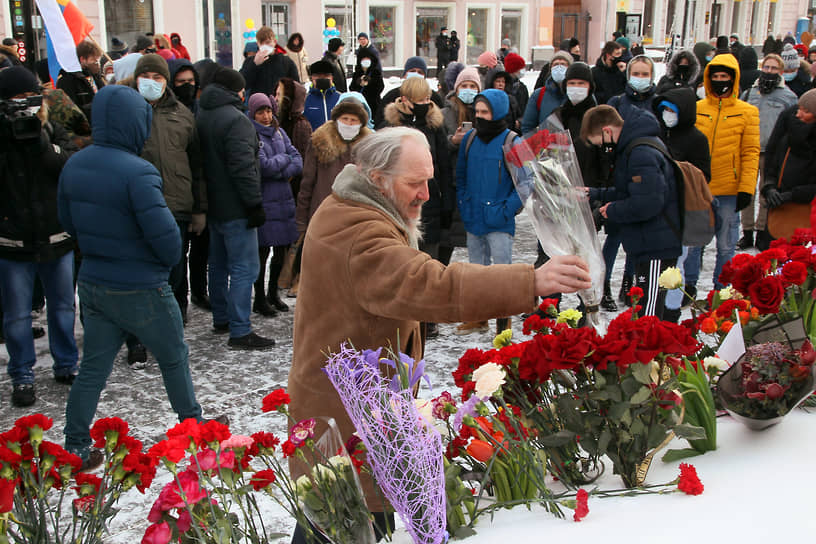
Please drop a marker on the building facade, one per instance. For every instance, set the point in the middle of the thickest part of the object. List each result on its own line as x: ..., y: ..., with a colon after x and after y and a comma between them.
x: 400, y: 29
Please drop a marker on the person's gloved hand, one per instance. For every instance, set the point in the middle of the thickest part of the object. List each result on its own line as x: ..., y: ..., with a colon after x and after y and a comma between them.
x: 775, y: 199
x: 743, y: 200
x: 255, y: 217
x: 198, y: 223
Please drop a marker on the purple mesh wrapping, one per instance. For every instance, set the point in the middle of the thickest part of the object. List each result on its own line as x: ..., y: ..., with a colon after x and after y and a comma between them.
x: 405, y: 454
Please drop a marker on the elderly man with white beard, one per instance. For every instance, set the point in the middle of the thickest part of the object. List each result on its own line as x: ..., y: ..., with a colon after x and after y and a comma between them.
x: 364, y: 281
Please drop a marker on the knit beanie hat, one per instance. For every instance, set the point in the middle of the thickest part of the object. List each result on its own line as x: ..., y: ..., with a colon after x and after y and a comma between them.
x: 362, y: 35
x: 808, y: 101
x: 352, y: 107
x: 624, y: 41
x: 801, y: 49
x: 468, y: 74
x: 506, y: 42
x: 452, y: 72
x: 230, y: 79
x: 579, y: 70
x: 416, y: 62
x: 152, y: 63
x: 118, y: 44
x: 514, y: 63
x: 321, y: 67
x: 563, y: 55
x: 256, y: 102
x: 142, y: 43
x: 488, y: 58
x: 790, y: 57
x: 17, y: 80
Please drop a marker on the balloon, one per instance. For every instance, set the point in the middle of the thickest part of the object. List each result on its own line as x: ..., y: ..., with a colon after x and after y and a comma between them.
x: 330, y: 22
x: 250, y: 23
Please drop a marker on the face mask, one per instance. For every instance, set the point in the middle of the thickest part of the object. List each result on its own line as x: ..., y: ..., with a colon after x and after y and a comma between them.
x: 365, y: 63
x: 421, y: 110
x: 701, y: 92
x: 768, y: 82
x: 721, y: 88
x: 789, y: 76
x: 486, y: 129
x: 482, y: 70
x: 640, y: 84
x: 323, y: 84
x: 575, y: 57
x: 185, y: 92
x: 683, y: 71
x: 149, y: 89
x: 709, y: 58
x: 576, y: 95
x: 467, y: 95
x: 409, y: 75
x: 616, y: 60
x: 558, y: 73
x: 109, y: 78
x: 266, y: 49
x: 670, y: 118
x: 348, y: 132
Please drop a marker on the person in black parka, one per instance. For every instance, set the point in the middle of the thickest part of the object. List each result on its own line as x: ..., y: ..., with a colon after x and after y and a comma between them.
x: 681, y: 136
x: 682, y: 70
x: 749, y: 72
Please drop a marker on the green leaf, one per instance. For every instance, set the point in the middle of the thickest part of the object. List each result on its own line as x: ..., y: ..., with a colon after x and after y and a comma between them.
x: 617, y: 411
x: 629, y: 385
x: 600, y: 381
x: 689, y: 431
x: 643, y: 394
x: 464, y: 532
x: 657, y: 433
x: 603, y: 441
x: 642, y: 373
x: 675, y: 455
x: 561, y: 438
x: 599, y: 395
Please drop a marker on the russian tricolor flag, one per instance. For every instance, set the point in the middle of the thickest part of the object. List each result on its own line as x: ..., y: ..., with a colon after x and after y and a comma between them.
x: 65, y: 27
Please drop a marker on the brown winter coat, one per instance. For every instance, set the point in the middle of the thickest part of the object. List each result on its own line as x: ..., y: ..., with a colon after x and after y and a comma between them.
x: 326, y: 157
x: 362, y: 282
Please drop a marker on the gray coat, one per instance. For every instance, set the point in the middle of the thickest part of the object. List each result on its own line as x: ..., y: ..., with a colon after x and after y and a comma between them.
x: 770, y: 107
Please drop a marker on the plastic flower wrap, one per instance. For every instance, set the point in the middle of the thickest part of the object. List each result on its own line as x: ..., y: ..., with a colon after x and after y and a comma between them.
x: 405, y: 454
x: 548, y: 180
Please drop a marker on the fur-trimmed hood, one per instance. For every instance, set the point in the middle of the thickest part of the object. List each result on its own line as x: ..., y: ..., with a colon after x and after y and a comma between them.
x: 328, y: 144
x: 671, y: 67
x: 397, y: 114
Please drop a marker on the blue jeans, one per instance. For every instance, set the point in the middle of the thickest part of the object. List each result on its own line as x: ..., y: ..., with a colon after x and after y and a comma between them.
x: 614, y: 238
x: 498, y: 245
x: 727, y: 226
x: 17, y: 286
x: 233, y: 270
x: 153, y: 316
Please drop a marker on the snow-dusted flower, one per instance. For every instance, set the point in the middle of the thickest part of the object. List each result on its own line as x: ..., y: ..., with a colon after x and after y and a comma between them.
x: 727, y: 293
x: 571, y: 316
x: 715, y: 362
x: 489, y: 378
x: 671, y: 278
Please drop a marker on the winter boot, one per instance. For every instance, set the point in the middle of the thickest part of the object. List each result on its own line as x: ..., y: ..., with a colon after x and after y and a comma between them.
x: 273, y: 298
x: 626, y: 283
x: 607, y: 302
x: 747, y: 240
x: 763, y: 240
x: 261, y: 306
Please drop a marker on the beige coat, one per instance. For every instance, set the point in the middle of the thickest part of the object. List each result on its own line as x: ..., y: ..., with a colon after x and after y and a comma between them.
x: 301, y: 60
x: 363, y: 282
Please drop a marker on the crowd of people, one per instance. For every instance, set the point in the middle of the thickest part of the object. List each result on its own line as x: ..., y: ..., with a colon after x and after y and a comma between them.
x: 145, y: 182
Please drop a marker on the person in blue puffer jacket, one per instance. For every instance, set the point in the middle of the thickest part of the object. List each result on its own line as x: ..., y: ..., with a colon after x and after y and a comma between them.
x: 485, y: 193
x: 129, y: 241
x: 540, y: 107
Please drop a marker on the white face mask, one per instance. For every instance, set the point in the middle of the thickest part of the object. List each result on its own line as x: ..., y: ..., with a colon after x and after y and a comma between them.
x: 670, y: 118
x: 701, y: 92
x: 577, y: 95
x: 558, y: 73
x: 348, y: 132
x: 149, y: 89
x: 365, y: 63
x: 109, y: 77
x: 266, y: 49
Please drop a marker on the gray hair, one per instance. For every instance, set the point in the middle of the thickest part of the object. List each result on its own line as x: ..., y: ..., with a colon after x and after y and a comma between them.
x: 381, y: 151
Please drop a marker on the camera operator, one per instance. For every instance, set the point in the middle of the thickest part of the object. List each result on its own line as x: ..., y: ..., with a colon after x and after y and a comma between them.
x: 32, y: 242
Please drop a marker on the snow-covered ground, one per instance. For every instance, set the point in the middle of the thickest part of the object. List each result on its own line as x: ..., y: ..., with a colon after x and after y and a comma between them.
x: 234, y: 382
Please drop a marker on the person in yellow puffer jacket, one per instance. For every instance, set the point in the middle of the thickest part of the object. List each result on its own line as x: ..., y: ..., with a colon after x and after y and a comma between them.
x: 732, y: 129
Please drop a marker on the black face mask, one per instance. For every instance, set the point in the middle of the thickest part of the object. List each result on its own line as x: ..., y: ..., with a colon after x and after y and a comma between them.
x: 575, y: 57
x: 185, y: 92
x: 608, y: 148
x: 421, y: 110
x: 768, y: 82
x: 683, y: 71
x: 323, y: 84
x: 721, y: 88
x: 616, y: 60
x: 486, y: 130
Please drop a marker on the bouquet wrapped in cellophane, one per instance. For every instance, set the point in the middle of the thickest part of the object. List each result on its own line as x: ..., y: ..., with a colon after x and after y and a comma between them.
x: 548, y: 180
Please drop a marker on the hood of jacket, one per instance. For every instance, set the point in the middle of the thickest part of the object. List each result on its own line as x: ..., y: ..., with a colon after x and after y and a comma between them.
x: 361, y: 99
x: 215, y: 96
x: 639, y: 124
x: 328, y: 145
x: 395, y: 113
x: 728, y: 60
x: 290, y: 45
x: 299, y: 98
x: 701, y: 49
x: 748, y: 59
x: 671, y: 67
x: 176, y: 35
x: 175, y: 66
x: 121, y: 118
x: 498, y: 101
x: 686, y: 101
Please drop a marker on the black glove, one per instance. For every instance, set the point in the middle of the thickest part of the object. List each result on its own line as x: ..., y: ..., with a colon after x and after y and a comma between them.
x: 775, y: 199
x: 743, y: 200
x: 255, y: 217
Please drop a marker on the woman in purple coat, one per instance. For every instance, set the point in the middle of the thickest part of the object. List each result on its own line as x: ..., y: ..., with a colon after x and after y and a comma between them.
x: 279, y: 161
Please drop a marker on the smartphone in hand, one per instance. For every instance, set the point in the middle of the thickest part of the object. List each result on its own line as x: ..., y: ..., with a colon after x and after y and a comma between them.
x: 467, y: 125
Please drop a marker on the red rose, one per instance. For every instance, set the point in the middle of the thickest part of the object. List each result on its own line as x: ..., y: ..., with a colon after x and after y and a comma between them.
x: 581, y: 508
x: 794, y: 273
x: 747, y: 275
x: 767, y: 294
x: 263, y: 479
x: 689, y: 483
x: 274, y: 400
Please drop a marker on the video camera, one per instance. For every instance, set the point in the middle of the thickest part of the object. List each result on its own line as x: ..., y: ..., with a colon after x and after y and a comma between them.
x: 18, y: 118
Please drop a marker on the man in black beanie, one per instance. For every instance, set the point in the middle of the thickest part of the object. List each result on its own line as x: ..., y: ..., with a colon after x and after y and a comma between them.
x: 229, y: 145
x: 334, y: 56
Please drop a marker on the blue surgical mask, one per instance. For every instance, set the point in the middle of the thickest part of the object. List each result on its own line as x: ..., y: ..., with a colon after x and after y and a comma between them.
x: 640, y: 84
x: 467, y: 95
x: 558, y: 73
x: 409, y: 75
x: 709, y: 58
x: 789, y: 76
x: 149, y: 89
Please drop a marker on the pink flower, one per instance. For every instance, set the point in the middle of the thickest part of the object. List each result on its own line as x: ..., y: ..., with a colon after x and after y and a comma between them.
x: 208, y: 460
x: 171, y: 495
x: 302, y: 431
x: 158, y: 533
x: 185, y: 520
x: 237, y: 441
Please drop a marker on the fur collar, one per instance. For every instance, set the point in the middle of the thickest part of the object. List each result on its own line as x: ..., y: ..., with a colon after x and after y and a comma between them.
x: 351, y: 185
x: 394, y: 111
x: 329, y: 145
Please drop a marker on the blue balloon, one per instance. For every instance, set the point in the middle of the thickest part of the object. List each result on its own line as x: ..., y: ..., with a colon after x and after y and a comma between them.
x: 246, y: 35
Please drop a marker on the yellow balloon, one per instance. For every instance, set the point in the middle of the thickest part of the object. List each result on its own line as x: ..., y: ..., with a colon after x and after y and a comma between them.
x: 250, y: 23
x: 330, y: 22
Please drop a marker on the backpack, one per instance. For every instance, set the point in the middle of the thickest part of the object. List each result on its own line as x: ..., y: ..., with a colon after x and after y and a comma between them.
x: 694, y: 199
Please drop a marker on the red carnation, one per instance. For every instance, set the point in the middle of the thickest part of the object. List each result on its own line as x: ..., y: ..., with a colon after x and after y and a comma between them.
x: 7, y: 488
x: 173, y: 449
x: 263, y: 479
x: 581, y: 507
x: 91, y: 480
x: 99, y: 432
x: 767, y: 294
x: 187, y: 428
x: 635, y: 293
x: 275, y: 400
x: 288, y: 448
x: 794, y: 273
x: 34, y: 420
x: 689, y: 483
x: 213, y: 431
